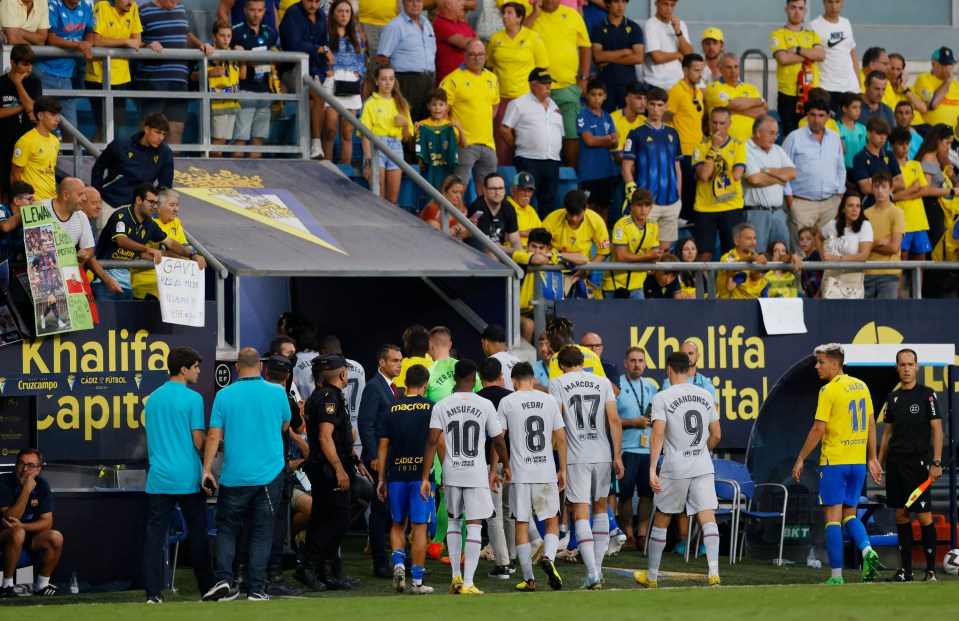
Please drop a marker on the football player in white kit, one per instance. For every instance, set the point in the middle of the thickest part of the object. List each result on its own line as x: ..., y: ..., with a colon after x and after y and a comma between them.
x: 534, y: 425
x: 686, y: 422
x: 588, y: 406
x: 464, y: 420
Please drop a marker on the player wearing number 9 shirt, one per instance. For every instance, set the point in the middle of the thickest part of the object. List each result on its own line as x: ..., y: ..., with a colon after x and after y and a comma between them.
x: 465, y: 420
x: 588, y: 406
x: 534, y: 425
x: 686, y: 423
x: 847, y: 429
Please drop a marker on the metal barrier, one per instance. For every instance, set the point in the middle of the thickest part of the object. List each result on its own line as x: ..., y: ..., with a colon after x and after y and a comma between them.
x: 446, y: 208
x: 708, y: 285
x: 764, y: 59
x: 204, y: 96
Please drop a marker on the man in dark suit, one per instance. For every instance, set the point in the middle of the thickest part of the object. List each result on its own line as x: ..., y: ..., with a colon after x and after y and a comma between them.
x: 378, y: 397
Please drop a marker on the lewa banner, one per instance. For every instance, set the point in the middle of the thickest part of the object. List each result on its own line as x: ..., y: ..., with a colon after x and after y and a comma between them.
x: 59, y: 302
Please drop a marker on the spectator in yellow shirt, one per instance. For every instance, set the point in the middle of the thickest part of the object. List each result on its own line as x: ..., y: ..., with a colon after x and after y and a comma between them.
x: 577, y: 229
x: 35, y: 154
x: 742, y: 100
x: 521, y: 197
x: 117, y: 24
x: 797, y: 51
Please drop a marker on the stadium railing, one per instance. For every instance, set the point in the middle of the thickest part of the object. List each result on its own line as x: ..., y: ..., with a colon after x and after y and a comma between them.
x: 203, y: 95
x: 446, y: 208
x: 705, y: 274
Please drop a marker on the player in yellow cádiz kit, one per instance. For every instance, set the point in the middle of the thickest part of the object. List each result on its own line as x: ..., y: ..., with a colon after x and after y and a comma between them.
x: 847, y: 429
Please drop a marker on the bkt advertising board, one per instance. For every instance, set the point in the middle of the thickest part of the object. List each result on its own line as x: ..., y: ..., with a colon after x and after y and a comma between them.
x: 89, y: 387
x: 744, y: 362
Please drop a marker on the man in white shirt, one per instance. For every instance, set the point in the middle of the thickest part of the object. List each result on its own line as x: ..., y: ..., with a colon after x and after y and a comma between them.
x: 493, y: 342
x: 667, y: 41
x: 687, y: 425
x: 464, y: 420
x: 839, y: 72
x: 533, y: 125
x: 768, y: 170
x: 588, y: 405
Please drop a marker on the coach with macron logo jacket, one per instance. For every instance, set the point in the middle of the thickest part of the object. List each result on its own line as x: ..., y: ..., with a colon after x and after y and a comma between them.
x: 128, y: 162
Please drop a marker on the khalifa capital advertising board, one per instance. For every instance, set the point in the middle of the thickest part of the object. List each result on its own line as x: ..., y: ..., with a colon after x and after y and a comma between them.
x: 737, y: 354
x: 85, y: 391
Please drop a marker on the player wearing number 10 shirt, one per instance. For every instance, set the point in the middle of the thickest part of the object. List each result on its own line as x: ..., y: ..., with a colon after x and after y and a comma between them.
x: 588, y: 406
x: 845, y: 425
x: 534, y: 425
x: 686, y: 424
x: 465, y: 420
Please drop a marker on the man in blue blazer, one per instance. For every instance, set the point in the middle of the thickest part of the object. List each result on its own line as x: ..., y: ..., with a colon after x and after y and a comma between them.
x: 378, y: 397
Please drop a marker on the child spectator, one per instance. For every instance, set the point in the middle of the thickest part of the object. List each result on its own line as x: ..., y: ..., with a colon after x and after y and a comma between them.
x: 223, y: 77
x: 438, y: 139
x: 751, y: 285
x: 597, y: 141
x: 635, y: 240
x: 852, y: 132
x: 781, y: 284
x: 35, y: 154
x: 915, y: 243
x: 810, y: 279
x: 665, y: 285
x: 452, y: 189
x: 888, y: 228
x: 347, y: 73
x: 387, y: 114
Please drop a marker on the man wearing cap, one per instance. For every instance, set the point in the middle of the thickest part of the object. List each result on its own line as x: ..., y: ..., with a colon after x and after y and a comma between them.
x: 617, y: 49
x: 938, y: 89
x: 714, y: 45
x: 534, y: 125
x: 173, y: 419
x: 473, y: 95
x: 246, y: 416
x: 667, y: 41
x: 332, y: 468
x: 798, y: 52
x: 741, y: 99
x: 567, y: 43
x: 521, y: 197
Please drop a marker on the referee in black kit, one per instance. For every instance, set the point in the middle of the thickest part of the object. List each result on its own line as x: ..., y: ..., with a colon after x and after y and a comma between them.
x: 913, y: 433
x: 332, y: 469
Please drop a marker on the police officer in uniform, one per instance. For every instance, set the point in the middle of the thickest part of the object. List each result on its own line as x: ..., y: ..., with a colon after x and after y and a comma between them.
x: 332, y: 469
x: 911, y: 448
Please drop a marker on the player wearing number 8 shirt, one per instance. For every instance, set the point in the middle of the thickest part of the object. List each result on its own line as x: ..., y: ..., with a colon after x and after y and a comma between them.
x: 534, y: 425
x: 912, y: 442
x: 847, y: 429
x: 464, y: 420
x: 686, y: 423
x: 583, y: 397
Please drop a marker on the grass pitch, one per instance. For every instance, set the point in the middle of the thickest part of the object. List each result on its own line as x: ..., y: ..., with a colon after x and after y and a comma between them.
x: 754, y: 589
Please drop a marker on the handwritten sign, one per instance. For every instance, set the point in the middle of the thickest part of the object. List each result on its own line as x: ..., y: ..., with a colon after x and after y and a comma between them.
x: 182, y: 289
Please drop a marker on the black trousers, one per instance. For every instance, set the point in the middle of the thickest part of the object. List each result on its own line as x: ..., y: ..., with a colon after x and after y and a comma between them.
x: 546, y: 175
x: 380, y: 522
x: 786, y: 105
x: 160, y: 506
x: 330, y: 517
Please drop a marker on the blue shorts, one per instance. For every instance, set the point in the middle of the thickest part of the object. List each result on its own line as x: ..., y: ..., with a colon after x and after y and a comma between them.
x: 916, y: 242
x: 406, y: 502
x: 396, y: 146
x: 841, y: 485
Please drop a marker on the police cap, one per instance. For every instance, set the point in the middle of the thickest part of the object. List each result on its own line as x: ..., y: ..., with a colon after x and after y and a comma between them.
x: 328, y: 362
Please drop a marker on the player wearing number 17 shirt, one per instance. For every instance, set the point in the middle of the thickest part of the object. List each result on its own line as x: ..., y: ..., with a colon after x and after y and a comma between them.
x: 685, y: 422
x: 847, y: 429
x: 534, y: 425
x: 465, y: 420
x: 588, y: 405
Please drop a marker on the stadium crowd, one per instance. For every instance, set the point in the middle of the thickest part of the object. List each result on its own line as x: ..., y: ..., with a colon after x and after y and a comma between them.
x: 662, y: 138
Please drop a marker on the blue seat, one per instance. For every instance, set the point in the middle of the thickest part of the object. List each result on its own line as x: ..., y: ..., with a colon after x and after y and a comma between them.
x: 509, y: 173
x: 748, y: 495
x: 176, y: 533
x: 568, y: 181
x: 408, y: 198
x: 470, y: 194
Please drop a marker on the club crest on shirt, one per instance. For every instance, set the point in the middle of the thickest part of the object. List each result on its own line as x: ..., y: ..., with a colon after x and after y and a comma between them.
x: 330, y: 408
